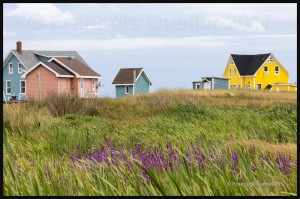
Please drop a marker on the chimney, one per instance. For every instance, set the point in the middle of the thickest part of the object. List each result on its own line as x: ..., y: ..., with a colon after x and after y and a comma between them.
x: 19, y: 47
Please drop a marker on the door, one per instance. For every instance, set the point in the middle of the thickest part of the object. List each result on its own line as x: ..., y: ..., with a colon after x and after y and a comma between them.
x: 93, y: 86
x: 207, y: 85
x: 81, y: 87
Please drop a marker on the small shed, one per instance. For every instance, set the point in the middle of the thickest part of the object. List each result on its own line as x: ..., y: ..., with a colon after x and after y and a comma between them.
x: 131, y: 81
x: 211, y: 83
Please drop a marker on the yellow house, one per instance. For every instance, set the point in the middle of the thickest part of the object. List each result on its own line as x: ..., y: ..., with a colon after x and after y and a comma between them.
x: 261, y: 71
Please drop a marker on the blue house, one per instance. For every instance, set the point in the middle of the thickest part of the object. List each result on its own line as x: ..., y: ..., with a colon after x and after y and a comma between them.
x: 211, y: 83
x: 18, y: 61
x: 131, y: 81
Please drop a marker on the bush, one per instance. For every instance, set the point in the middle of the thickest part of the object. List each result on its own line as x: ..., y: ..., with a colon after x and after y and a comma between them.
x: 63, y: 103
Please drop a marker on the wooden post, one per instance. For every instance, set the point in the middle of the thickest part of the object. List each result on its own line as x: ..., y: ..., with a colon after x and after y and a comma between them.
x: 39, y: 85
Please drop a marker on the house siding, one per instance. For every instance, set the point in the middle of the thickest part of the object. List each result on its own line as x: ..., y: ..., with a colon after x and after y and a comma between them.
x: 271, y: 78
x: 291, y: 88
x: 14, y: 78
x: 195, y: 85
x: 142, y: 85
x: 120, y: 91
x: 233, y: 80
x: 48, y: 83
x: 64, y: 85
x: 220, y: 83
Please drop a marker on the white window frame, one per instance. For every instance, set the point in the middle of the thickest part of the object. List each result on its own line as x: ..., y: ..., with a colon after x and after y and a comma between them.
x: 276, y: 72
x: 19, y: 68
x: 248, y: 86
x: 234, y: 72
x: 257, y: 86
x: 266, y: 72
x: 231, y: 62
x: 126, y: 89
x: 93, y: 84
x: 21, y: 86
x: 7, y: 87
x: 271, y: 59
x: 230, y: 72
x: 10, y: 69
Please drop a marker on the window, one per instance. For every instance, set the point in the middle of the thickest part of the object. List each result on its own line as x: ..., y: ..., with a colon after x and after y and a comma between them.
x: 266, y: 70
x: 232, y: 86
x: 276, y: 70
x: 229, y: 72
x: 19, y: 68
x: 126, y: 89
x: 258, y: 86
x: 271, y: 59
x: 8, y: 87
x: 10, y: 68
x: 22, y: 87
x: 198, y: 86
x: 234, y: 72
x: 231, y: 62
x: 240, y: 86
x: 248, y: 86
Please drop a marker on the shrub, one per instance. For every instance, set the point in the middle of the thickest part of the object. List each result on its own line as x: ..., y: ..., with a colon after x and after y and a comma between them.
x: 63, y: 103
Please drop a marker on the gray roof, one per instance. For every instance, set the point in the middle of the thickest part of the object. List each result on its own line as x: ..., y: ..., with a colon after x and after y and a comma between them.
x: 29, y: 58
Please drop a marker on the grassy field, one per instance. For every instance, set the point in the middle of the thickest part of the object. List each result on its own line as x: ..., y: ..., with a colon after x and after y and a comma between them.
x: 172, y: 142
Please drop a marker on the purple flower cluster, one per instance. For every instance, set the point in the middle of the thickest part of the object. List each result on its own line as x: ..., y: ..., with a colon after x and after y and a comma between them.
x: 284, y: 163
x: 169, y: 158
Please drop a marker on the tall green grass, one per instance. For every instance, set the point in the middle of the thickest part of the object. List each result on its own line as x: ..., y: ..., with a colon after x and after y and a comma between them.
x: 38, y: 142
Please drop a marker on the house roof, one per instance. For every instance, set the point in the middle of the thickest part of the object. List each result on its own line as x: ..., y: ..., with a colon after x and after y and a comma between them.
x: 77, y: 66
x: 125, y: 75
x: 249, y: 64
x: 209, y: 78
x: 29, y: 57
x: 215, y: 77
x: 59, y: 69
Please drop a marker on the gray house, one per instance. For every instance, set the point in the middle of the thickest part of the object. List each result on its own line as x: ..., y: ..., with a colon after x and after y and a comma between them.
x: 131, y: 81
x: 211, y: 83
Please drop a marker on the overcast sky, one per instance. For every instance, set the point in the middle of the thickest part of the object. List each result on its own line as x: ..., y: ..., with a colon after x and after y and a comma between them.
x: 175, y: 43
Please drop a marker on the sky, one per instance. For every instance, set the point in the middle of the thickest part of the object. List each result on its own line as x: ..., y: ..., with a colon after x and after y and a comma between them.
x: 175, y: 43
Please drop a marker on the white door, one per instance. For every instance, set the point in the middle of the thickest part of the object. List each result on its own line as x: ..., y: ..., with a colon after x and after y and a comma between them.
x: 207, y: 85
x: 81, y: 87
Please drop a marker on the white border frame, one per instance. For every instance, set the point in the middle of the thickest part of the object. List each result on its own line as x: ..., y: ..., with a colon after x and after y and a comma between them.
x: 19, y: 64
x: 10, y: 63
x: 126, y: 89
x: 6, y: 87
x: 278, y: 70
x: 267, y: 70
x: 21, y: 86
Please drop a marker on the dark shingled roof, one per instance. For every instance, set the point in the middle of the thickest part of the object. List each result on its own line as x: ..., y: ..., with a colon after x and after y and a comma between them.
x: 125, y: 75
x: 59, y: 69
x: 77, y: 66
x: 249, y: 64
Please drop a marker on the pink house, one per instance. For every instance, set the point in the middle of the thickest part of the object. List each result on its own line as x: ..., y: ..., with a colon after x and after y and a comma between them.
x: 61, y: 74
